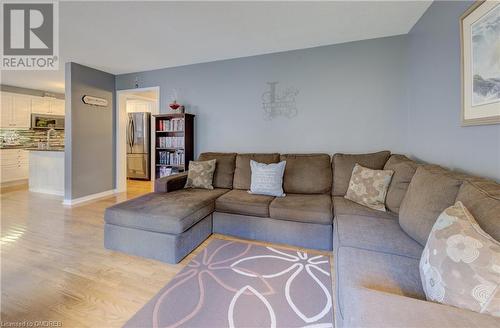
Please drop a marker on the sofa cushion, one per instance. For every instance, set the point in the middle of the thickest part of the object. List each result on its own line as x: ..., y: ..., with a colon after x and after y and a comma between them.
x: 244, y: 203
x: 343, y: 164
x: 224, y: 170
x: 243, y: 173
x: 307, y: 173
x: 404, y: 169
x: 431, y: 191
x: 482, y: 199
x: 345, y: 206
x: 172, y: 212
x: 359, y: 268
x: 302, y: 208
x: 370, y: 308
x: 376, y: 234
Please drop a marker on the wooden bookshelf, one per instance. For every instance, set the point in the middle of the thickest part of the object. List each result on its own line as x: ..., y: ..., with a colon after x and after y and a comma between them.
x: 174, y: 143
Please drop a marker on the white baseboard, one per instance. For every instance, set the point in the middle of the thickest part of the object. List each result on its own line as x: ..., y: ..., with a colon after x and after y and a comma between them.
x: 47, y: 191
x: 84, y: 199
x: 14, y: 183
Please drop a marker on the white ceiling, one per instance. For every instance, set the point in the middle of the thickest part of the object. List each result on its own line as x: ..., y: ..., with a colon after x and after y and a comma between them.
x: 122, y: 37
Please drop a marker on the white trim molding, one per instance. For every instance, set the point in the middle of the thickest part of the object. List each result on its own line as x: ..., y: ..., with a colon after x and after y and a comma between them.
x: 47, y: 191
x: 88, y: 198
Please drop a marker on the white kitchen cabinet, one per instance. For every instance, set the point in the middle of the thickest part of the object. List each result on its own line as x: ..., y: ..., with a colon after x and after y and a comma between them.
x: 14, y: 165
x: 6, y: 110
x: 15, y: 172
x: 57, y: 107
x: 15, y: 111
x: 21, y: 112
x: 40, y: 105
x: 48, y: 106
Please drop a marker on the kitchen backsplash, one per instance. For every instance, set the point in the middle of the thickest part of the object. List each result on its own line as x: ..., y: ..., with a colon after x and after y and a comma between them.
x: 29, y: 138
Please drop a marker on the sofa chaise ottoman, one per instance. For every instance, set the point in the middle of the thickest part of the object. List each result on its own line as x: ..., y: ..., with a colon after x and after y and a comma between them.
x: 162, y: 226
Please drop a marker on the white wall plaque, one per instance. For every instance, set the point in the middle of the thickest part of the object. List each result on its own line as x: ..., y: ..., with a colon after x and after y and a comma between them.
x: 95, y: 101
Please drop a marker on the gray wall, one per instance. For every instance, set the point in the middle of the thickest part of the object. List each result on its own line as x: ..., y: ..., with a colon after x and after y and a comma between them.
x: 90, y: 137
x: 434, y: 131
x: 399, y: 93
x: 352, y: 98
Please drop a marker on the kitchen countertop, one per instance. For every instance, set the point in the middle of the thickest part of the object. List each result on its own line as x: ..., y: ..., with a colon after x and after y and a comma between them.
x: 13, y: 147
x: 24, y: 147
x: 49, y: 149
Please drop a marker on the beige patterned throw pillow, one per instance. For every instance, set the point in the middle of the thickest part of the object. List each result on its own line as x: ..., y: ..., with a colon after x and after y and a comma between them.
x: 201, y: 174
x: 369, y: 187
x: 460, y: 265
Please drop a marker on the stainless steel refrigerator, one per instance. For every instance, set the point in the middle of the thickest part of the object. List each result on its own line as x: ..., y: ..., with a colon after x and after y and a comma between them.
x: 138, y: 146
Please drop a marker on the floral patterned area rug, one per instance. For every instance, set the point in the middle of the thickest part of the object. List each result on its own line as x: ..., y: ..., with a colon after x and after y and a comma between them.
x: 235, y: 284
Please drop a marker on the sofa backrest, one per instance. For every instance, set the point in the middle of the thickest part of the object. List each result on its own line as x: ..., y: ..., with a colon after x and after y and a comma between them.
x: 224, y: 169
x: 307, y: 173
x: 343, y: 164
x: 482, y: 198
x: 243, y: 173
x: 404, y: 169
x: 431, y: 190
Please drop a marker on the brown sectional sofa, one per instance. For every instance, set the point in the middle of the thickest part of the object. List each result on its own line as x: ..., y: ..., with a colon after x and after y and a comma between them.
x: 376, y: 253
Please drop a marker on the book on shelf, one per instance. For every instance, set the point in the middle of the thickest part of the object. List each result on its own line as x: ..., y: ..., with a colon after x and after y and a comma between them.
x: 167, y: 171
x: 175, y: 124
x: 171, y: 157
x: 170, y: 142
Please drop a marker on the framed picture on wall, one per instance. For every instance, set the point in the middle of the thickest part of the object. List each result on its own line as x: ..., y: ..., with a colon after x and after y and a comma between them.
x: 480, y: 43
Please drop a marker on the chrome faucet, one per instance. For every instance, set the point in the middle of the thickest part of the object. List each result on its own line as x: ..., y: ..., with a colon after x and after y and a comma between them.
x: 48, y: 136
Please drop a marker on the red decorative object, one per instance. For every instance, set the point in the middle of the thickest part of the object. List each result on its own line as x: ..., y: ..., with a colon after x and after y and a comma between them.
x: 174, y: 105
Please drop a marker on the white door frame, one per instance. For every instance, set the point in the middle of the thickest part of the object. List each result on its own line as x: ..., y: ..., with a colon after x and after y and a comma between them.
x: 121, y: 135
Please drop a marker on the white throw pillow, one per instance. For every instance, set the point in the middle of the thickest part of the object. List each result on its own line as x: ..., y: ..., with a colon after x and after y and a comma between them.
x: 267, y: 179
x: 460, y: 264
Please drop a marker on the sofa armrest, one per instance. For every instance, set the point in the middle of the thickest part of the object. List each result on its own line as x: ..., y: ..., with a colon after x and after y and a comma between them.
x: 171, y: 183
x: 371, y: 308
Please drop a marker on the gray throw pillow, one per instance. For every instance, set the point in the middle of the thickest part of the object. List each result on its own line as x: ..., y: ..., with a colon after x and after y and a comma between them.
x: 201, y: 174
x: 267, y: 179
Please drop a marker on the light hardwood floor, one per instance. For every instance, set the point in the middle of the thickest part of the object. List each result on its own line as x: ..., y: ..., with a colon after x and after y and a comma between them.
x: 54, y: 266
